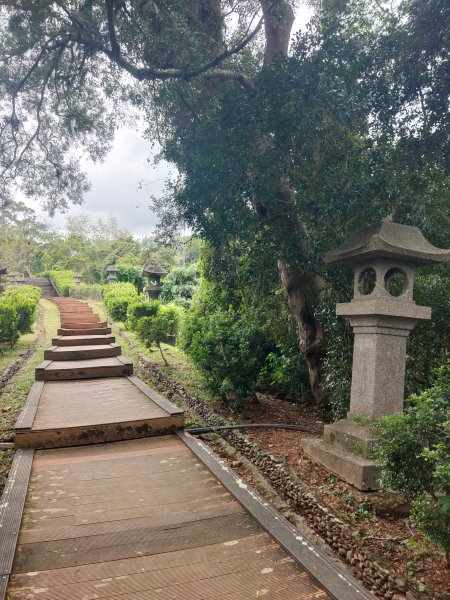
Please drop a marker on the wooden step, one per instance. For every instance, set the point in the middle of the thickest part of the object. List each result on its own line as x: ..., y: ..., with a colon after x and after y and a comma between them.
x: 82, y: 325
x: 76, y: 331
x: 114, y: 366
x: 85, y: 317
x: 81, y: 352
x: 83, y: 340
x: 74, y: 413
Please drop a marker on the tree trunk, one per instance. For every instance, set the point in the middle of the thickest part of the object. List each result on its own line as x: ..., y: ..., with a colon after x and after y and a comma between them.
x: 310, y: 330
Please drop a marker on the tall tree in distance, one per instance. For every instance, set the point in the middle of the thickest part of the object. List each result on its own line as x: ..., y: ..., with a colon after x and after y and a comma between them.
x: 280, y: 151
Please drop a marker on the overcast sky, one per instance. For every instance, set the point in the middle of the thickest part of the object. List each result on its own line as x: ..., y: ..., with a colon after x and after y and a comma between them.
x: 115, y: 183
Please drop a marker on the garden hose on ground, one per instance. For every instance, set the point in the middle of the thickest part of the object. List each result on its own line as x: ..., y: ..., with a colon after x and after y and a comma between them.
x: 212, y: 428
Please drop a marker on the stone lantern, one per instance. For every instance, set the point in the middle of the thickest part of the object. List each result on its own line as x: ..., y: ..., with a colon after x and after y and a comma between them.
x: 153, y: 273
x: 3, y: 271
x: 77, y: 278
x: 111, y: 276
x: 382, y: 314
x: 12, y: 277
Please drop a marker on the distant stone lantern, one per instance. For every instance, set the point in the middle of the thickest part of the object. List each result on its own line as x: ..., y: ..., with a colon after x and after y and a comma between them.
x: 12, y: 277
x: 77, y: 278
x: 382, y: 314
x: 111, y: 272
x: 3, y: 272
x: 153, y: 273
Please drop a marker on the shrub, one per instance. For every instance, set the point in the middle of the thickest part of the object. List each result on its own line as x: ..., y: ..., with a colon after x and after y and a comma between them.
x: 84, y: 291
x: 180, y: 284
x: 117, y: 298
x: 414, y: 452
x: 154, y: 330
x: 63, y: 280
x: 139, y: 308
x: 9, y: 321
x: 130, y: 274
x: 228, y: 349
x: 24, y: 300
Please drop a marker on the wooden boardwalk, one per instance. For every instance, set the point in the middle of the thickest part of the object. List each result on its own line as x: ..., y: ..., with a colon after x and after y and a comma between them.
x: 119, y: 505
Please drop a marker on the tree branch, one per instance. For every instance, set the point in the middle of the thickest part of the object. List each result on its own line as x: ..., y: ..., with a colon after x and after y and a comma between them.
x: 115, y: 48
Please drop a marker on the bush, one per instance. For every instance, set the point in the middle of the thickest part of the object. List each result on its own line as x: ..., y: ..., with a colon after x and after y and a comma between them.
x: 24, y: 300
x: 228, y: 349
x: 140, y: 308
x: 63, y: 280
x: 414, y: 452
x: 9, y: 321
x: 130, y: 274
x: 84, y: 291
x: 154, y: 330
x: 117, y: 298
x: 180, y: 284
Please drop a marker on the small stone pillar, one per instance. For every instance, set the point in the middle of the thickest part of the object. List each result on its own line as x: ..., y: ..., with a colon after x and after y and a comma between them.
x: 111, y: 274
x: 382, y: 314
x: 3, y: 272
x: 77, y: 278
x: 153, y: 273
x: 12, y: 277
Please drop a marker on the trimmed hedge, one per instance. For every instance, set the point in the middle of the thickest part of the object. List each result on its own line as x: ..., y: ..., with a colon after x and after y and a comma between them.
x: 18, y: 310
x: 117, y: 297
x: 63, y: 280
x: 139, y: 308
x: 84, y: 291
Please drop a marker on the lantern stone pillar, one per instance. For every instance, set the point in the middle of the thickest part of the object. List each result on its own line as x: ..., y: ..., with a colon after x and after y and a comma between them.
x: 12, y: 277
x: 382, y: 313
x: 153, y: 273
x: 77, y: 278
x: 111, y: 274
x: 3, y: 272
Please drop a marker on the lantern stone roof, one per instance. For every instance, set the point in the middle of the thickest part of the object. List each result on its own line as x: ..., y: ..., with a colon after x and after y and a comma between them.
x: 154, y: 269
x: 387, y: 240
x: 112, y: 269
x: 77, y: 274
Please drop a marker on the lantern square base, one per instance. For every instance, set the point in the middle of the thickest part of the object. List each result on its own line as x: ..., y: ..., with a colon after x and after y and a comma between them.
x: 358, y: 470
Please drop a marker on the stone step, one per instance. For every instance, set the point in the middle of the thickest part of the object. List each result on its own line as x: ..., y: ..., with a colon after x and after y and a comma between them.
x: 114, y: 366
x: 83, y: 340
x: 81, y: 352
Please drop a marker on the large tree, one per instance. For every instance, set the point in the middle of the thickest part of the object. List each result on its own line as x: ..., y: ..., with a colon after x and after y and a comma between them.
x: 283, y: 150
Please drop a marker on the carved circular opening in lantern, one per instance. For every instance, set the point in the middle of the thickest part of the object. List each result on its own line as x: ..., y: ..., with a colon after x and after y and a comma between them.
x: 396, y: 282
x: 367, y: 281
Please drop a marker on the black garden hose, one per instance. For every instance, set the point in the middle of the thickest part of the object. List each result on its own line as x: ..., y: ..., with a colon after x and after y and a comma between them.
x: 198, y: 430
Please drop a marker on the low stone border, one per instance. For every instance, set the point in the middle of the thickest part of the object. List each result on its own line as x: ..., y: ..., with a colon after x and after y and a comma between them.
x: 378, y: 577
x: 8, y: 372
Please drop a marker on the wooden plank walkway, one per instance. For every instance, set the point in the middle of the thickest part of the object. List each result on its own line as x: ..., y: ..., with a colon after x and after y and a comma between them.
x: 146, y: 518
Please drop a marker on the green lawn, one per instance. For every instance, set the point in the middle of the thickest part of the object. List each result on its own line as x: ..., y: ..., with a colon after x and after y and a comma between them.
x: 11, y: 354
x: 14, y: 394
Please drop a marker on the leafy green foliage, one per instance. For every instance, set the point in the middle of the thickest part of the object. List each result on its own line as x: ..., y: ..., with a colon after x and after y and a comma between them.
x: 154, y: 330
x: 9, y: 321
x: 227, y: 347
x: 18, y: 309
x: 85, y: 291
x: 117, y: 298
x: 179, y: 285
x: 139, y: 308
x: 132, y: 275
x: 24, y: 300
x: 63, y: 280
x: 414, y: 452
